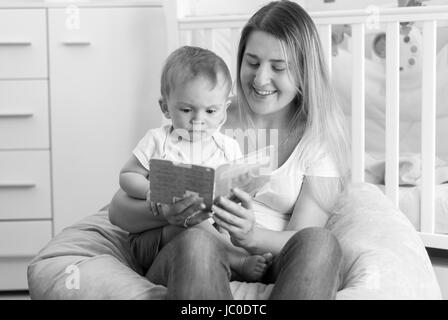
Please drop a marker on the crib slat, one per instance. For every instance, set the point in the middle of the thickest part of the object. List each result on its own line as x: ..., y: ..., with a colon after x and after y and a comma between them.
x: 392, y: 110
x: 186, y: 37
x: 196, y: 38
x: 325, y: 38
x: 402, y: 14
x: 358, y: 103
x: 428, y: 146
x: 208, y: 38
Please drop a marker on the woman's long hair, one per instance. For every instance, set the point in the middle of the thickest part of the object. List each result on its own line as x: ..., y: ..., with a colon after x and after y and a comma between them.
x: 315, y: 103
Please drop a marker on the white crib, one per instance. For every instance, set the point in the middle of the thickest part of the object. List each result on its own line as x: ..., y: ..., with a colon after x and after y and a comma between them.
x: 182, y: 31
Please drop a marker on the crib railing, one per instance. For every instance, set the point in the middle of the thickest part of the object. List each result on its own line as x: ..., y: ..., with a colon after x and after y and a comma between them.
x: 360, y: 20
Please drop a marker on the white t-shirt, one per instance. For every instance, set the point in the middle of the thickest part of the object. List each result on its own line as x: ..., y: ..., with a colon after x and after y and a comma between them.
x: 273, y: 204
x: 165, y: 143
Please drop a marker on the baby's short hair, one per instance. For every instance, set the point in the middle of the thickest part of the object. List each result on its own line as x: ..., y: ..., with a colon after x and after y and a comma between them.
x: 188, y: 62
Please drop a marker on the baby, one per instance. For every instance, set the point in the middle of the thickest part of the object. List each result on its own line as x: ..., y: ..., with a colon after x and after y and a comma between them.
x: 195, y: 87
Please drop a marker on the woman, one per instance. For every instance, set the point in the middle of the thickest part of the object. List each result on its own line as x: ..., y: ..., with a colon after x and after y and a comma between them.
x: 282, y: 87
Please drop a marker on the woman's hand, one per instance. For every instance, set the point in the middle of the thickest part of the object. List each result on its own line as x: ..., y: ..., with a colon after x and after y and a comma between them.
x: 184, y: 213
x: 238, y: 220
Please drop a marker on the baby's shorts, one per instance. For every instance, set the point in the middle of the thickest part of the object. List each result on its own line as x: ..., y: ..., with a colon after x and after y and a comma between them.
x: 145, y: 246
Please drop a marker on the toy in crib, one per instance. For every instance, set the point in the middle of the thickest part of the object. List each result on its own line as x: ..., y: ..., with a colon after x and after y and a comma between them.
x: 410, y: 42
x: 410, y: 49
x: 410, y: 46
x: 410, y: 66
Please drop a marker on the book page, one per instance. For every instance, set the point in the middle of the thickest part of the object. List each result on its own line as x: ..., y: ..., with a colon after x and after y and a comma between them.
x: 170, y: 181
x: 249, y: 173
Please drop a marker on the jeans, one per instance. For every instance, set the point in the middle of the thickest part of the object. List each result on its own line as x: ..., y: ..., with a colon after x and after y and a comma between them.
x: 194, y: 265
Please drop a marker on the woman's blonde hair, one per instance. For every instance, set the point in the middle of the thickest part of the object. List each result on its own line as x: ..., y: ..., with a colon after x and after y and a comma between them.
x: 315, y: 103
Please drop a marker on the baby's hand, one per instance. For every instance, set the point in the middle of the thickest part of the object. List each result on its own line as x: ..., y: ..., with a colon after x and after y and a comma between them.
x: 148, y: 194
x: 152, y: 205
x: 155, y: 208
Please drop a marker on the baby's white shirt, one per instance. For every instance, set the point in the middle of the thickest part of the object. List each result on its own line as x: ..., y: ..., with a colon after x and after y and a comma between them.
x: 165, y: 143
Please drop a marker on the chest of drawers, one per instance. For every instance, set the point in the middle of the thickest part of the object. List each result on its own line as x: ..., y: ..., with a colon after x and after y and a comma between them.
x: 78, y: 87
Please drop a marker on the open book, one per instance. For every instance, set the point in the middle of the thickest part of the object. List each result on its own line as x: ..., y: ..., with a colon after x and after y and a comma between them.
x: 171, y: 181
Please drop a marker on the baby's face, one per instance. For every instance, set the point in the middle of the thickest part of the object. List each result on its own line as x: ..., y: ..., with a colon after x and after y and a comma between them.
x: 197, y: 109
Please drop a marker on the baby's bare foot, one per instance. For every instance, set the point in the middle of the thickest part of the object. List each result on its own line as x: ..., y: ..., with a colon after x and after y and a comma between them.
x: 269, y: 258
x: 252, y: 268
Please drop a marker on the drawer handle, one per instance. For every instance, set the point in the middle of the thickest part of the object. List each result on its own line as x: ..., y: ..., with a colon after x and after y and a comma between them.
x: 15, y: 43
x: 76, y: 42
x: 16, y: 114
x: 16, y: 185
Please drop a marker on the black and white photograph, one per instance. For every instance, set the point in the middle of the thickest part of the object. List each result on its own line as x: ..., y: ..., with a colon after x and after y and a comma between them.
x: 224, y: 153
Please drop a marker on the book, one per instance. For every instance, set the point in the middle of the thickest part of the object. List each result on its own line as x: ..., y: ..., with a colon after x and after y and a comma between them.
x: 172, y: 181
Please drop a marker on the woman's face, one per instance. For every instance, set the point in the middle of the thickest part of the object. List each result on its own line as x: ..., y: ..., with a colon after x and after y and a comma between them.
x: 265, y: 78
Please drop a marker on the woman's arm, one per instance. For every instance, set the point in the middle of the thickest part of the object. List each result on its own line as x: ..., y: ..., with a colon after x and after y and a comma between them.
x: 134, y: 215
x: 240, y: 221
x: 307, y: 213
x: 309, y: 210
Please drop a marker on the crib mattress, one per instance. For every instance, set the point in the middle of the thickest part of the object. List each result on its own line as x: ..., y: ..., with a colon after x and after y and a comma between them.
x: 409, y: 202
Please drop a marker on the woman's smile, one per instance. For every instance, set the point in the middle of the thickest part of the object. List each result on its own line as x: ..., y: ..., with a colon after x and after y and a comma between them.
x: 263, y: 93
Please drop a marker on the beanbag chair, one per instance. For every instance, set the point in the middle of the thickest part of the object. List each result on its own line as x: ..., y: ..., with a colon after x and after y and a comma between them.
x: 383, y: 258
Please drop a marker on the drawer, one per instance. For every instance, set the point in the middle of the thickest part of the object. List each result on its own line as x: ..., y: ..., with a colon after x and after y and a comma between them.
x: 25, y: 191
x: 14, y: 273
x: 23, y: 43
x: 23, y: 238
x: 24, y: 114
